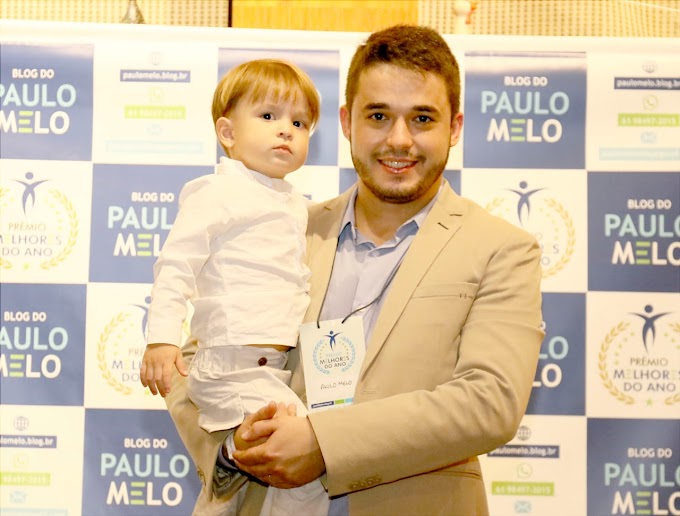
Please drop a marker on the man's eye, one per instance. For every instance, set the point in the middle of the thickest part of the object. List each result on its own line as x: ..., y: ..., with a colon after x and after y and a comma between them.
x: 378, y: 116
x: 423, y: 119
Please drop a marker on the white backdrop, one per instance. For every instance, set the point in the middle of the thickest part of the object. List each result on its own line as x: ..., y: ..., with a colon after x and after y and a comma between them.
x: 575, y: 139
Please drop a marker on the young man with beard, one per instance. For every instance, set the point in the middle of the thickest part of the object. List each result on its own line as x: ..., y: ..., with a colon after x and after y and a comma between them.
x: 451, y: 307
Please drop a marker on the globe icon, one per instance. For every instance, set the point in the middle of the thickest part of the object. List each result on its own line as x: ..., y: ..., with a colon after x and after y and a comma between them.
x: 523, y: 433
x: 21, y: 423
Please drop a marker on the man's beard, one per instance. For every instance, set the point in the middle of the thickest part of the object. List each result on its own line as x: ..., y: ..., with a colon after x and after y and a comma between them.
x: 395, y: 194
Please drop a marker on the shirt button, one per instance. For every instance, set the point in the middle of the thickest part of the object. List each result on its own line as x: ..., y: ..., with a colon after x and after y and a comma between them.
x: 262, y: 361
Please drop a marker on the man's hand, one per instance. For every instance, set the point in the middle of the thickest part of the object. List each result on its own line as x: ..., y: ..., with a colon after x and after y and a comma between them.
x: 156, y: 370
x: 282, y: 449
x: 269, y: 411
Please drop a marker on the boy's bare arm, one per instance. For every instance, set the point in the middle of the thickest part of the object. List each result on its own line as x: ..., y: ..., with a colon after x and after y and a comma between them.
x: 157, y: 364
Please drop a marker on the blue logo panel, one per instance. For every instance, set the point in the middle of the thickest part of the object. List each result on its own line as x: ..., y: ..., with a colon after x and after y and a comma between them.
x: 346, y: 179
x: 46, y: 101
x: 136, y: 465
x: 42, y: 344
x: 559, y: 385
x: 634, y: 231
x: 133, y: 208
x: 323, y: 67
x: 633, y: 466
x: 525, y: 110
x: 453, y: 177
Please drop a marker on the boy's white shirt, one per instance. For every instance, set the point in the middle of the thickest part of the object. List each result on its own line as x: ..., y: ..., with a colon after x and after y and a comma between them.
x: 236, y: 251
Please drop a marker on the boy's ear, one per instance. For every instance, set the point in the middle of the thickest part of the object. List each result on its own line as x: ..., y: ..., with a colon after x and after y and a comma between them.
x: 225, y: 132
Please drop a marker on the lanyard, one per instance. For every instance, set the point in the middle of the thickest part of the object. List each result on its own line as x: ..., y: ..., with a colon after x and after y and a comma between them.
x: 380, y: 294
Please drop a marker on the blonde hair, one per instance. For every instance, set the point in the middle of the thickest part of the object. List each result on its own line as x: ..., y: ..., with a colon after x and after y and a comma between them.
x: 262, y: 78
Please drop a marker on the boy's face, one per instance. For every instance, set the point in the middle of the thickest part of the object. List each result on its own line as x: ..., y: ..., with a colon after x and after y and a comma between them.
x: 267, y: 136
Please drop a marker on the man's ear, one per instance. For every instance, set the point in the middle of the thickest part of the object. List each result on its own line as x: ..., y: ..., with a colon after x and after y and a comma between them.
x: 456, y: 128
x: 225, y: 132
x: 345, y: 122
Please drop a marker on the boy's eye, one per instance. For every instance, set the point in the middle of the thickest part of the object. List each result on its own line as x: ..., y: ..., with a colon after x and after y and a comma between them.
x: 299, y: 123
x: 267, y: 116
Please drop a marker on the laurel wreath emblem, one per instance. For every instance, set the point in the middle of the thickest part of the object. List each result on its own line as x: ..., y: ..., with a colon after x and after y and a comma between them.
x: 101, y: 354
x: 602, y: 364
x: 351, y: 359
x: 495, y: 203
x: 675, y: 327
x: 571, y: 238
x: 73, y: 232
x: 568, y: 223
x: 315, y: 357
x: 320, y: 344
x: 4, y: 264
x: 672, y: 399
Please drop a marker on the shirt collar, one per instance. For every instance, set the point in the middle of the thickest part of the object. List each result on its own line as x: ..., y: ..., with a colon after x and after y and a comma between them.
x: 272, y: 182
x: 349, y: 219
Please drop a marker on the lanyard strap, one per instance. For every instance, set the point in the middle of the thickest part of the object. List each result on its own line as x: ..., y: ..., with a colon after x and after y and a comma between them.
x: 380, y: 294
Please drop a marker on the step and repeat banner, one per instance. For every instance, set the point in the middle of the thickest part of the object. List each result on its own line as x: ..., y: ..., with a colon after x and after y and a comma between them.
x: 575, y: 140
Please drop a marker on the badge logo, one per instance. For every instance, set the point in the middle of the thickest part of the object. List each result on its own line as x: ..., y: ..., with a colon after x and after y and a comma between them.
x: 334, y: 353
x: 637, y: 359
x: 543, y: 216
x: 121, y: 346
x: 40, y: 226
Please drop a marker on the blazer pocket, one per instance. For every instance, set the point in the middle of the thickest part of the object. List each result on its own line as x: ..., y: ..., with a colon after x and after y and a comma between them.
x: 434, y: 318
x: 461, y: 290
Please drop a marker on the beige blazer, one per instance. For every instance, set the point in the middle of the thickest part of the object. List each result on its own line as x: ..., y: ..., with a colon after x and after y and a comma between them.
x: 447, y: 374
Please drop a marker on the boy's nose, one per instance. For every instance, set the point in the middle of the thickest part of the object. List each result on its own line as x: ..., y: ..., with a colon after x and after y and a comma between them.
x: 285, y: 129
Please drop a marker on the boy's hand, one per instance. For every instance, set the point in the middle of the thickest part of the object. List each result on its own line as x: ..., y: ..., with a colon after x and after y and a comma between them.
x: 156, y: 371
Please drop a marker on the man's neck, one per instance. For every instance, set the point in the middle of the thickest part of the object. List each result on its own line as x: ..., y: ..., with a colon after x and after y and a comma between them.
x: 379, y: 220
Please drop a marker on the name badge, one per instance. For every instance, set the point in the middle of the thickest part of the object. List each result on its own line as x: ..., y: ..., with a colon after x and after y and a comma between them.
x: 332, y: 355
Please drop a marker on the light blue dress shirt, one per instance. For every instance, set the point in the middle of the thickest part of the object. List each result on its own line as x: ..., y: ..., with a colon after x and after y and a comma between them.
x: 362, y: 273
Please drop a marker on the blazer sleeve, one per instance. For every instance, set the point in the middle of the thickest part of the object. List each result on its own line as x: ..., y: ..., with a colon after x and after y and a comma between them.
x: 478, y: 407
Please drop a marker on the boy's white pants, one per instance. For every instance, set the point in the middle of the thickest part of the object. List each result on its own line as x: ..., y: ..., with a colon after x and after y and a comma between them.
x: 227, y: 383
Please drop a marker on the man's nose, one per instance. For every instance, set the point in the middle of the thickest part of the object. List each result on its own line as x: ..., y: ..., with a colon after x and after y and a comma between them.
x: 399, y: 136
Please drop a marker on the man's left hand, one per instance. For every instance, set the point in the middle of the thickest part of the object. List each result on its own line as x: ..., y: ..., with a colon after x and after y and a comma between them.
x: 290, y: 457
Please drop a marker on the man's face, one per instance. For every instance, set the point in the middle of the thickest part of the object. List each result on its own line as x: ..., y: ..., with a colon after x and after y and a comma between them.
x: 400, y: 130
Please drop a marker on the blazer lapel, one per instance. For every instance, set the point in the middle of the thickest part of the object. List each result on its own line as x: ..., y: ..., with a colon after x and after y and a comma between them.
x: 444, y: 219
x: 322, y: 242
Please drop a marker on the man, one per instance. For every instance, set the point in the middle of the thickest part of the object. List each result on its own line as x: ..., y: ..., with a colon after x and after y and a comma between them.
x: 450, y: 301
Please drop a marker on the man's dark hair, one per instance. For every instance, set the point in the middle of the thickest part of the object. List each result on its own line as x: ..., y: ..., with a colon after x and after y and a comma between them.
x: 412, y: 47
